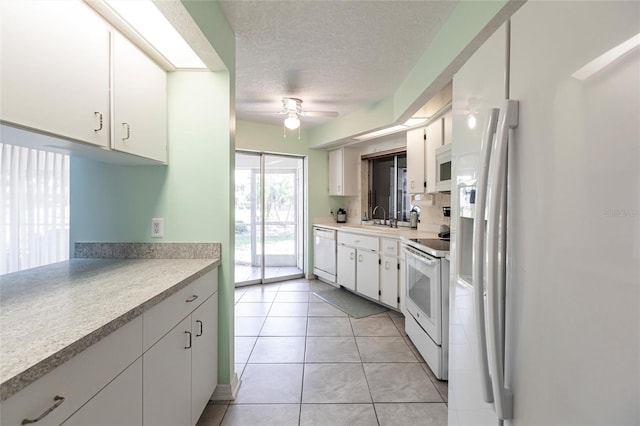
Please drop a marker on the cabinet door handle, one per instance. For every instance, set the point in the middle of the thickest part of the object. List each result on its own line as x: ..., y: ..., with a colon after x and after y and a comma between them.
x: 189, y: 334
x: 351, y: 255
x: 359, y: 258
x: 99, y: 114
x: 201, y: 328
x: 412, y: 185
x: 339, y: 188
x: 58, y: 402
x: 128, y: 131
x: 192, y: 298
x: 386, y: 265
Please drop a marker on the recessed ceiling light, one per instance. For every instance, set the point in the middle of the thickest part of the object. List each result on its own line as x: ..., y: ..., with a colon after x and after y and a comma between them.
x: 145, y: 18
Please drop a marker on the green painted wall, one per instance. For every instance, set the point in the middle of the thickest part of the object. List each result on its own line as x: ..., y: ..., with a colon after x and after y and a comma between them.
x: 468, y: 26
x: 193, y: 194
x: 269, y: 138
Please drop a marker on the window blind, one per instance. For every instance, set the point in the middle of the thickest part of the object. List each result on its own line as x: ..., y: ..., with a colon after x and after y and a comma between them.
x: 34, y: 213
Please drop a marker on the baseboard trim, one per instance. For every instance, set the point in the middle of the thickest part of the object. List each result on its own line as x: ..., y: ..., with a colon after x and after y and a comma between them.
x: 227, y: 392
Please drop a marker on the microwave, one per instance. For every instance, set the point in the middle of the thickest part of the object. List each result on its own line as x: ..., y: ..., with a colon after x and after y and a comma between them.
x: 443, y: 168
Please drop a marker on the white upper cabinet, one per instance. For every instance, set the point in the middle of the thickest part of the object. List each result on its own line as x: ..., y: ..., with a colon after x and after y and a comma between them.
x: 448, y: 126
x: 65, y: 72
x: 416, y: 161
x: 343, y: 172
x: 435, y: 134
x: 139, y: 102
x: 54, y: 73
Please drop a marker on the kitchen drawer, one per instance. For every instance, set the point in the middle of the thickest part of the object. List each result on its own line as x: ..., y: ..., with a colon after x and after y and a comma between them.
x: 389, y: 246
x: 359, y: 241
x: 160, y: 319
x: 77, y: 380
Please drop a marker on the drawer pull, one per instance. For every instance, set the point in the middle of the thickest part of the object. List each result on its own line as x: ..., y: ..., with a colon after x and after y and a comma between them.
x: 128, y: 131
x: 201, y: 328
x: 192, y: 298
x: 99, y: 114
x: 58, y: 402
x: 189, y: 345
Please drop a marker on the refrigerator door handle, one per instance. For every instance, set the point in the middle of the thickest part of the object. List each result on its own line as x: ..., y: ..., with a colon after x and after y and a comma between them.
x: 508, y: 119
x: 478, y: 255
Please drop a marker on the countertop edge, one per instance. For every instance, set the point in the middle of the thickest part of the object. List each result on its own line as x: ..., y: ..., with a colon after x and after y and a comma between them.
x: 18, y: 382
x: 352, y: 228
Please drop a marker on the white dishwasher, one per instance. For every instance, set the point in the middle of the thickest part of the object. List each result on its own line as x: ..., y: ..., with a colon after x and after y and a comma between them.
x: 324, y: 254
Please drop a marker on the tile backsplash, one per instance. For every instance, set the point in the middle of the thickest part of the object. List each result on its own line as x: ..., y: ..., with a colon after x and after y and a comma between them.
x: 431, y: 216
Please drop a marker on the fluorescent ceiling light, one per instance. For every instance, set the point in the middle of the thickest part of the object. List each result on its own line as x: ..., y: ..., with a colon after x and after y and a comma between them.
x: 606, y: 59
x: 414, y: 121
x: 145, y: 18
x: 381, y: 132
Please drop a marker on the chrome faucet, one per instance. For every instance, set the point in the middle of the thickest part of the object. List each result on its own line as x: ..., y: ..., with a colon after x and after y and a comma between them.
x: 384, y: 214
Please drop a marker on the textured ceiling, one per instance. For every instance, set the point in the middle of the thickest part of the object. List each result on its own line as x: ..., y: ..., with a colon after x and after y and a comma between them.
x: 334, y: 55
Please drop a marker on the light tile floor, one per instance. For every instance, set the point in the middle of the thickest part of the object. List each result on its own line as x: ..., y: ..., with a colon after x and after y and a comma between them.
x: 304, y: 362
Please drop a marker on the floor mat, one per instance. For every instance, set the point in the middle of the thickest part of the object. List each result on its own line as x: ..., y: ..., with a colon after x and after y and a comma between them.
x: 349, y: 303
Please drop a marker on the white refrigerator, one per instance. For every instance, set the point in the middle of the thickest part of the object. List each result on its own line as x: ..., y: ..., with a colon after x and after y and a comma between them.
x: 545, y: 297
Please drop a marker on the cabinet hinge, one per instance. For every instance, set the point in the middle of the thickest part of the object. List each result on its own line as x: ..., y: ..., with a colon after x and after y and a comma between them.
x: 379, y: 292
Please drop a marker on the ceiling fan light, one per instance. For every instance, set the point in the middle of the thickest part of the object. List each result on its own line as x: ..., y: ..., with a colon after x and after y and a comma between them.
x: 292, y: 122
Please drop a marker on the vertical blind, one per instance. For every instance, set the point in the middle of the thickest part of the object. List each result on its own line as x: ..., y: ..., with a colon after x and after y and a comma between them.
x: 34, y: 214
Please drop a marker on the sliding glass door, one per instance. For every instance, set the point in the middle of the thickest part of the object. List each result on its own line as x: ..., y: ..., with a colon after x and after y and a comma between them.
x: 269, y: 217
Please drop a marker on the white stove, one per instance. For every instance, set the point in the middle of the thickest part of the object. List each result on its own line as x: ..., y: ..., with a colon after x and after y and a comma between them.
x: 427, y: 301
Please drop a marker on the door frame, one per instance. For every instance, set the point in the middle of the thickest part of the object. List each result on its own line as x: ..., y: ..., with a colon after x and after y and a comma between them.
x: 300, y: 208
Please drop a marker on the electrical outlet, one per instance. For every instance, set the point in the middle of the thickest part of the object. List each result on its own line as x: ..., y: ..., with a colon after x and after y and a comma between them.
x: 157, y: 227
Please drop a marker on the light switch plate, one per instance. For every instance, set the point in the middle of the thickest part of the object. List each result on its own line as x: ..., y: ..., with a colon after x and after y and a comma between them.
x: 157, y: 227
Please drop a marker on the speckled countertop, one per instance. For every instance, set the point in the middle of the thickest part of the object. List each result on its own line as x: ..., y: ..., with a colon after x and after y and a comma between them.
x: 51, y: 313
x: 380, y: 231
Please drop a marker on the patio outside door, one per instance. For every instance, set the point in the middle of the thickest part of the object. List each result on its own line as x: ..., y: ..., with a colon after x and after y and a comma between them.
x: 269, y: 225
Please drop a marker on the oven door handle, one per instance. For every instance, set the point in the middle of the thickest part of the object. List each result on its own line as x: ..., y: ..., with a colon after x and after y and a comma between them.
x: 421, y: 256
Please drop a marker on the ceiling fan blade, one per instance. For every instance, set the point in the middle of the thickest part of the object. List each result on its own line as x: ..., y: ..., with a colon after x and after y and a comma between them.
x: 319, y: 113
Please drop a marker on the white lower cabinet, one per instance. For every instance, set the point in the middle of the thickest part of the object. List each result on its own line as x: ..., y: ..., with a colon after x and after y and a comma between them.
x: 358, y: 263
x: 166, y: 378
x: 346, y: 267
x: 370, y: 266
x: 367, y: 276
x: 204, y: 355
x: 119, y: 403
x: 61, y: 392
x: 180, y: 370
x: 389, y: 272
x: 127, y: 379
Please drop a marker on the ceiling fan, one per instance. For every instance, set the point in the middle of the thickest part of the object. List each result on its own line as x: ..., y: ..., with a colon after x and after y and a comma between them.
x: 292, y: 108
